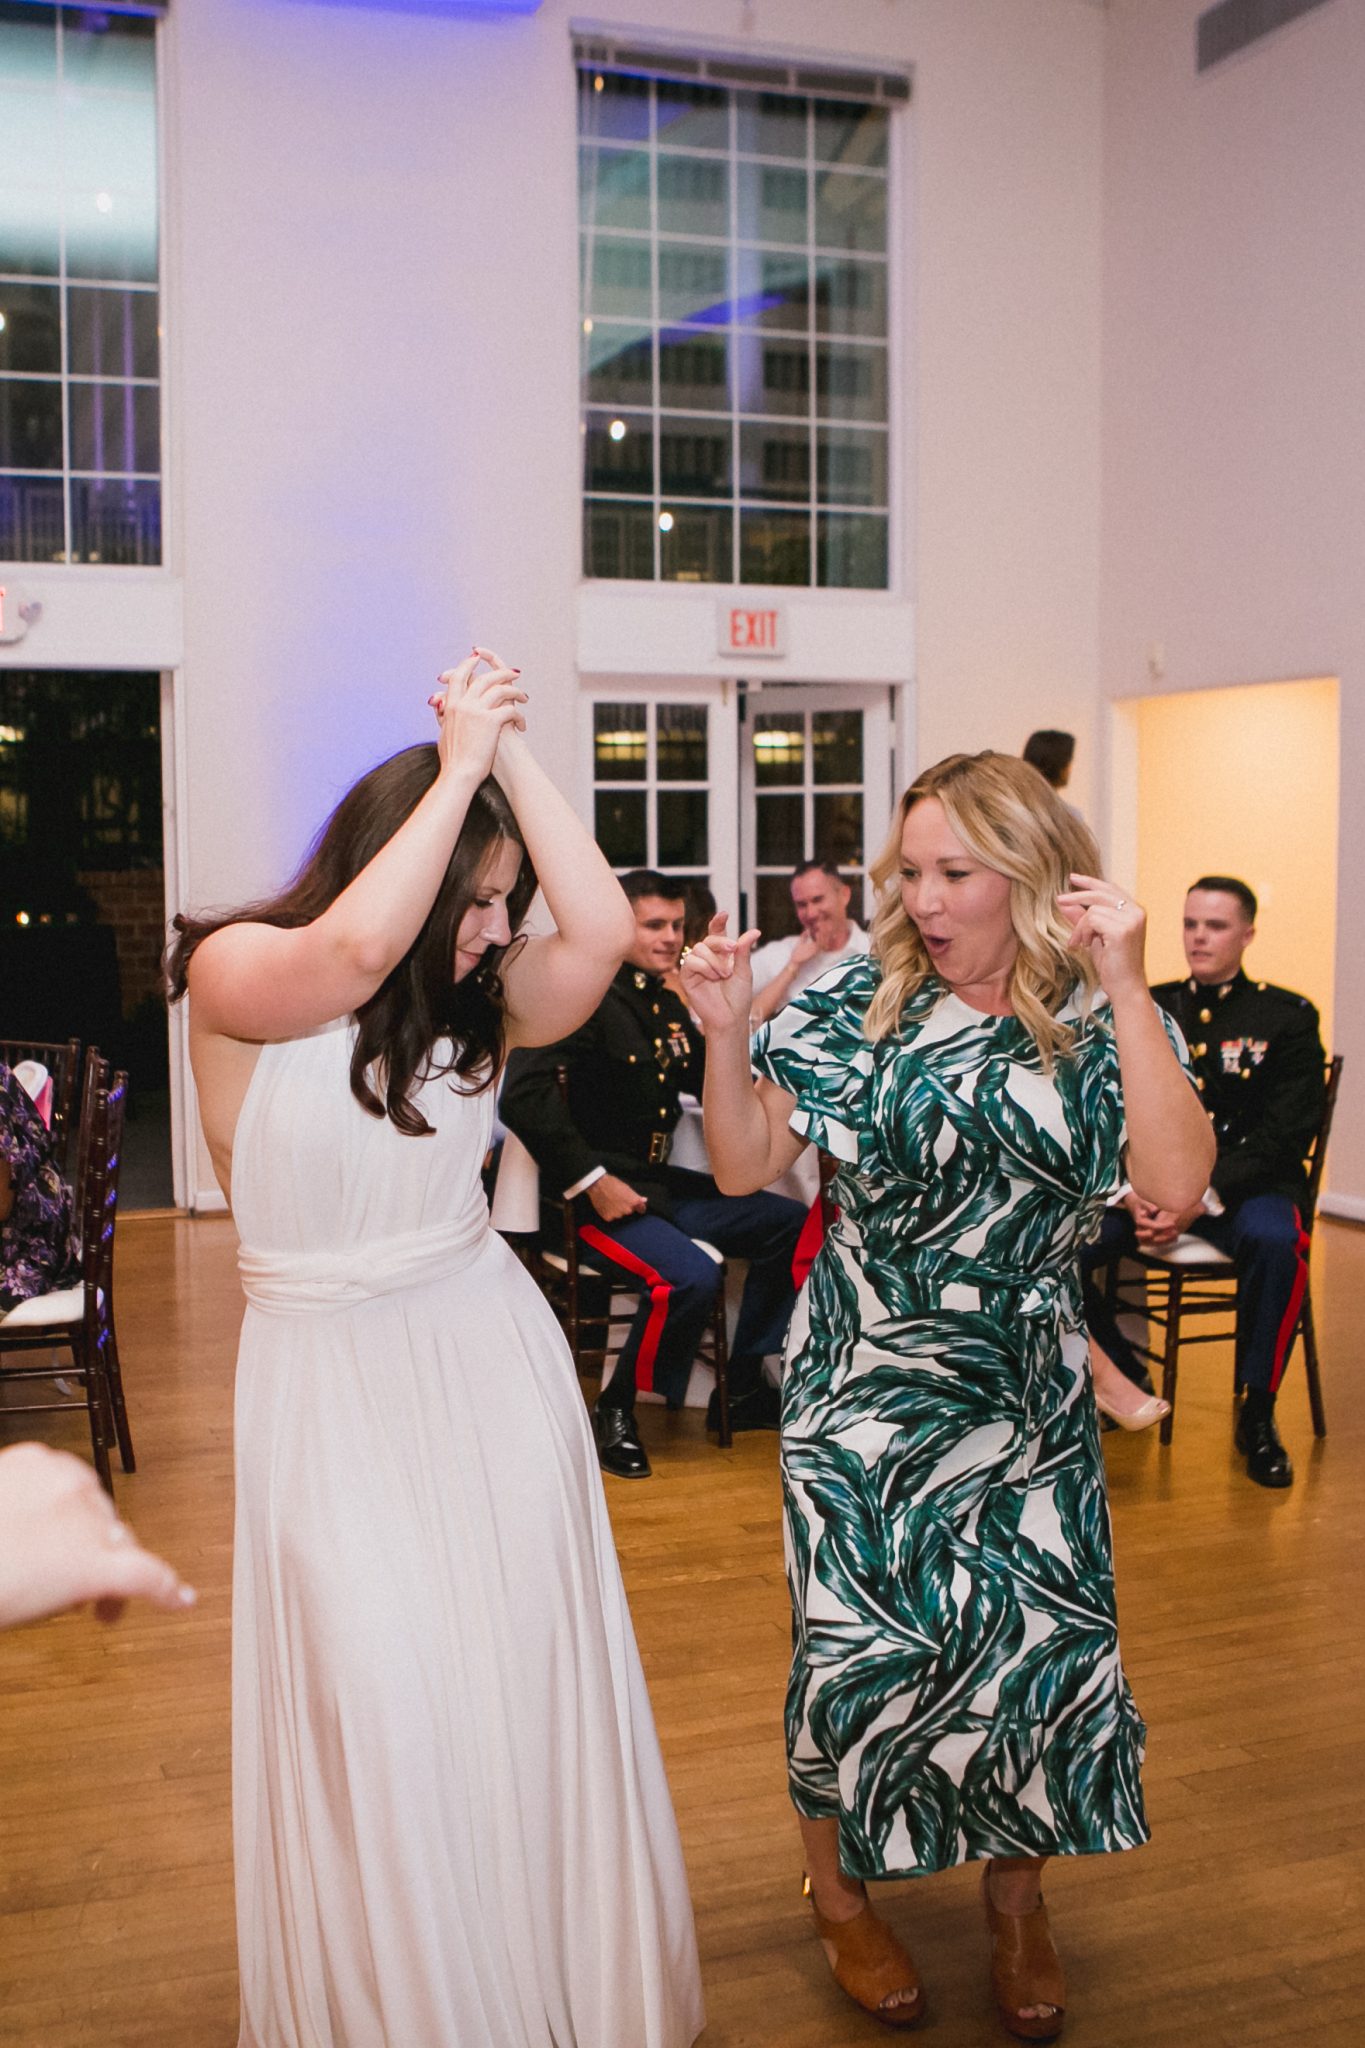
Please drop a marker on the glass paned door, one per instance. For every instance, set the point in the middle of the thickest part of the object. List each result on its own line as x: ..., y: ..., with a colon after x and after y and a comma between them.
x: 663, y: 782
x: 815, y: 784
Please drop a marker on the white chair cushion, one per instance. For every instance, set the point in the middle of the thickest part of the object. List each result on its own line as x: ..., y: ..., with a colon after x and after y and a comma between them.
x: 42, y: 1311
x: 1192, y: 1251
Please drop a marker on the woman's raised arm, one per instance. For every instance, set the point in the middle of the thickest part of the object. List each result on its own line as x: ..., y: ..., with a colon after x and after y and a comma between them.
x: 257, y: 982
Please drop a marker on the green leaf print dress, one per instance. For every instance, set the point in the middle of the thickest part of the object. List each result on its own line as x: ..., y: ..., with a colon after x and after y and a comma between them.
x: 956, y: 1689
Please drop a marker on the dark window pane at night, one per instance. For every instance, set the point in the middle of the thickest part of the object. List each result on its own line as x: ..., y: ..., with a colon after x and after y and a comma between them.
x: 116, y: 427
x: 774, y: 376
x: 30, y: 424
x: 618, y: 365
x: 850, y: 382
x: 771, y: 124
x: 850, y: 298
x: 774, y: 290
x: 839, y: 828
x: 852, y: 467
x: 694, y: 283
x: 615, y: 277
x: 694, y: 458
x: 620, y: 742
x: 694, y: 370
x: 851, y: 551
x: 773, y: 205
x: 774, y: 547
x: 682, y: 828
x: 616, y: 109
x: 618, y: 540
x: 779, y: 750
x: 613, y: 189
x: 619, y: 453
x: 696, y: 543
x: 774, y: 911
x: 620, y: 827
x: 694, y: 196
x: 692, y: 116
x: 680, y: 743
x: 110, y: 333
x: 774, y: 461
x: 32, y: 527
x: 846, y: 133
x: 31, y: 337
x: 114, y: 521
x: 837, y: 746
x: 850, y: 212
x: 778, y: 825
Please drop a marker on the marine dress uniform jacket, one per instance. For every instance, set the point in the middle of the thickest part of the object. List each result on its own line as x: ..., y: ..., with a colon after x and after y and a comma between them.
x: 1259, y: 1065
x: 627, y: 1067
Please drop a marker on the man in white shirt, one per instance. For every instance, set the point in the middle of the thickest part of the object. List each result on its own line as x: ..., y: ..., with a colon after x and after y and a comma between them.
x: 827, y: 935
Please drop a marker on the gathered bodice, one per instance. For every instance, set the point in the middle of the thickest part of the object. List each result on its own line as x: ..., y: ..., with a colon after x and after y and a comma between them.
x: 334, y: 1205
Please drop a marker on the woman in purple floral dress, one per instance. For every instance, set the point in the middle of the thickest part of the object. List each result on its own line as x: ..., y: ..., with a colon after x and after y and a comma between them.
x: 37, y: 1241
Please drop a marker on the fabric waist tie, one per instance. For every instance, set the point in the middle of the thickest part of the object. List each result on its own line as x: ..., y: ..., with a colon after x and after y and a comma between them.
x: 291, y: 1283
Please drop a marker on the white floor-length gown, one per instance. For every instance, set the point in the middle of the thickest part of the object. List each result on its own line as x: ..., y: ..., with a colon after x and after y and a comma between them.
x: 452, y: 1826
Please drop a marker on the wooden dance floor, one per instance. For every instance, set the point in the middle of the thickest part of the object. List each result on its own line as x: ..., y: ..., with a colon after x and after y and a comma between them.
x: 1242, y: 1627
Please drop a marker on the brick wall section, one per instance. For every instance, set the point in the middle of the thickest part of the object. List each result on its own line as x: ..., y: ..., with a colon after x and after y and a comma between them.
x: 133, y: 901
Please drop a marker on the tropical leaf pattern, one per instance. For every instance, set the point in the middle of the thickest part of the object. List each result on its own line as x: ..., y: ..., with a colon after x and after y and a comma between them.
x: 956, y: 1688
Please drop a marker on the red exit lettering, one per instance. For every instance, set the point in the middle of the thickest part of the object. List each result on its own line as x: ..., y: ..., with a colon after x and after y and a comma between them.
x: 753, y: 632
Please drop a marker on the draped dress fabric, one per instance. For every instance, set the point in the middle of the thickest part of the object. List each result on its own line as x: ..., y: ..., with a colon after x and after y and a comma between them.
x: 452, y: 1826
x: 956, y: 1688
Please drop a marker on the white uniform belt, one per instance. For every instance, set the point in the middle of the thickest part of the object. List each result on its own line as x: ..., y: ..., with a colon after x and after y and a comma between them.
x: 285, y: 1283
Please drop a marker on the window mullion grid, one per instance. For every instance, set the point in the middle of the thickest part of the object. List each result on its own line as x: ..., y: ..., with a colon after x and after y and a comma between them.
x: 651, y: 775
x: 812, y: 330
x: 68, y: 529
x: 655, y: 328
x: 808, y: 786
x: 732, y: 329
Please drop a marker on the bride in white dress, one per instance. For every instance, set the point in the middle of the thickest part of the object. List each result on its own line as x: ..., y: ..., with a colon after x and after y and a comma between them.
x: 452, y: 1827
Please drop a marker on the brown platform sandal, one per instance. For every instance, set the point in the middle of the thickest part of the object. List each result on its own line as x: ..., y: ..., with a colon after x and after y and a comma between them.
x: 870, y: 1965
x: 1025, y: 1969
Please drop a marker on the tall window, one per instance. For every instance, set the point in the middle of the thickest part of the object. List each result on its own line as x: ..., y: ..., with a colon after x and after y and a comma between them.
x: 734, y: 311
x: 80, y: 409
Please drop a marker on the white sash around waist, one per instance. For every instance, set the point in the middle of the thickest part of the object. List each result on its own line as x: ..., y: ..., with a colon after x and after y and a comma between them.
x: 285, y: 1283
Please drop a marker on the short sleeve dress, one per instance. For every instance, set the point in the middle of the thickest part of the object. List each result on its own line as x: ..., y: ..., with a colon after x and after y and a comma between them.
x: 956, y: 1688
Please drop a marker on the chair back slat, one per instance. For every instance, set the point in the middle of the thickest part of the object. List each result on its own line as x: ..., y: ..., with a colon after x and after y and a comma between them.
x: 95, y: 1077
x: 1317, y: 1155
x: 115, y: 1107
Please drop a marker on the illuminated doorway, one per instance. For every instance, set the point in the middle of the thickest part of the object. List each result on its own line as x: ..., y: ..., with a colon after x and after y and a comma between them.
x: 1239, y: 781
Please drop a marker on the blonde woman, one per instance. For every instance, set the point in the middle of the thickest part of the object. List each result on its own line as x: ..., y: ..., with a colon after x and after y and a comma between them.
x: 985, y: 1079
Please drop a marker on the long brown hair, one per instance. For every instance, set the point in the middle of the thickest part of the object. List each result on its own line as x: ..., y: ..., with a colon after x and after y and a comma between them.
x: 1011, y: 820
x: 419, y: 1002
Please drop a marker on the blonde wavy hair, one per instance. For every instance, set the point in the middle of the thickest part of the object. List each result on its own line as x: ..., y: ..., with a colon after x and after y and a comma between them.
x: 1014, y: 823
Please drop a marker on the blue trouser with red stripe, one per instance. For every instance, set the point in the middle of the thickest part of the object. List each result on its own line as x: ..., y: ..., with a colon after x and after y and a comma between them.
x: 1266, y: 1241
x: 677, y: 1283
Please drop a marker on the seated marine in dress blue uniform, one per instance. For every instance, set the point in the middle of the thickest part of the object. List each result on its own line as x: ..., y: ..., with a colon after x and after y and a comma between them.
x: 1259, y: 1064
x: 607, y: 1149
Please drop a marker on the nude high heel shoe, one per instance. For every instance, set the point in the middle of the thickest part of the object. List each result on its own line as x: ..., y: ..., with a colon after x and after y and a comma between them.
x: 1142, y: 1417
x: 870, y: 1965
x: 1025, y: 1969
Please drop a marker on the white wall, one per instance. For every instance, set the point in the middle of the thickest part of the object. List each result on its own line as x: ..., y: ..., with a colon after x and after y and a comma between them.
x: 371, y: 316
x: 1234, y: 405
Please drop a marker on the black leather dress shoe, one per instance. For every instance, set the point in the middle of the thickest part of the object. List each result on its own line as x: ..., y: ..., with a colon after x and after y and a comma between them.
x: 1259, y: 1442
x: 757, y: 1408
x: 619, y: 1450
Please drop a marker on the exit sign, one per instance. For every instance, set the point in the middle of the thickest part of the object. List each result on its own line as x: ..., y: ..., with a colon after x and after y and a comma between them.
x: 750, y: 630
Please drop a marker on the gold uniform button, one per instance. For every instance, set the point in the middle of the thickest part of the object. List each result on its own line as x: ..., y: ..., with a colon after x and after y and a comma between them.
x: 657, y: 1043
x: 1199, y: 1051
x: 1260, y: 985
x: 1199, y: 1084
x: 630, y: 1058
x: 1246, y: 1073
x: 663, y: 1112
x: 1206, y: 1016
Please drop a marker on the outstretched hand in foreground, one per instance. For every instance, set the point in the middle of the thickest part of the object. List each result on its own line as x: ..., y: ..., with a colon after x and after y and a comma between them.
x: 62, y: 1543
